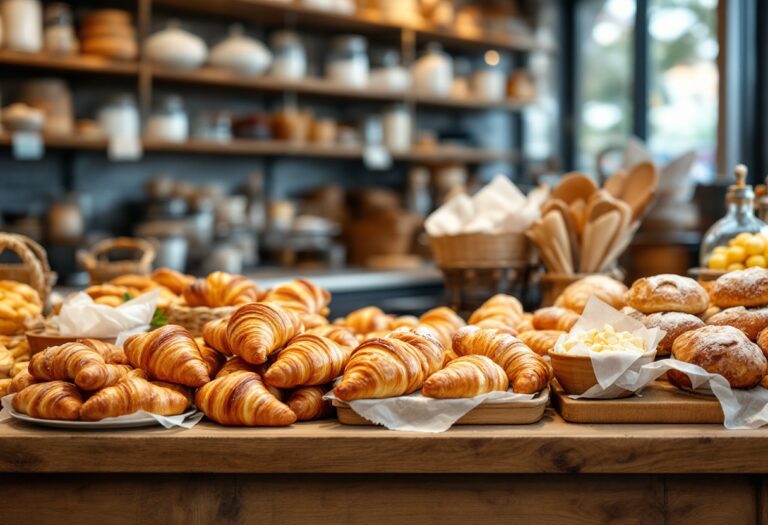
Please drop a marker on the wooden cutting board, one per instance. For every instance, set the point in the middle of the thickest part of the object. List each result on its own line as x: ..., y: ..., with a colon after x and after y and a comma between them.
x: 661, y: 402
x: 491, y: 413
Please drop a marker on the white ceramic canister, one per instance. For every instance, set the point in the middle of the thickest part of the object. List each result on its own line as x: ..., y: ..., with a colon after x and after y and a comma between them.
x: 290, y: 57
x: 398, y: 126
x: 433, y: 72
x: 22, y: 25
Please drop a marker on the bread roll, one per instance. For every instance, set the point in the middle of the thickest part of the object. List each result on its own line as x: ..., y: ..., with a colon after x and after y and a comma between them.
x: 741, y: 288
x: 667, y: 293
x: 674, y: 324
x: 605, y: 288
x: 751, y: 321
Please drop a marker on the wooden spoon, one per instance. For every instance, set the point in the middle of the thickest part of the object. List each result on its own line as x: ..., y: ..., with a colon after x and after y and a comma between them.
x: 558, y: 206
x: 640, y: 187
x: 603, y: 230
x: 615, y: 183
x: 555, y: 226
x: 573, y: 186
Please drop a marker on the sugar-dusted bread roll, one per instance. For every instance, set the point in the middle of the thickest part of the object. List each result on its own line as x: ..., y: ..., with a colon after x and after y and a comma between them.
x: 723, y: 350
x: 605, y: 288
x: 751, y: 321
x: 667, y: 293
x: 674, y: 325
x: 741, y: 288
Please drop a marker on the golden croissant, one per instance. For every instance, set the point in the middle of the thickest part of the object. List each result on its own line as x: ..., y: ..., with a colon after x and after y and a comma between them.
x: 76, y: 362
x: 394, y: 365
x: 112, y: 354
x: 301, y: 295
x: 259, y: 329
x: 215, y: 335
x: 541, y: 341
x: 310, y: 321
x: 50, y: 400
x: 308, y: 360
x: 367, y: 320
x: 554, y: 318
x: 527, y: 372
x: 173, y: 280
x: 336, y: 333
x: 444, y: 323
x: 238, y: 364
x: 503, y: 309
x: 221, y: 289
x: 241, y: 399
x: 307, y: 403
x: 21, y: 381
x: 169, y: 354
x: 466, y: 376
x: 132, y: 394
x: 213, y: 359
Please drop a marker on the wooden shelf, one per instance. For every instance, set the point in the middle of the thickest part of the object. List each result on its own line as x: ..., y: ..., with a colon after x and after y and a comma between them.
x: 75, y: 64
x: 276, y: 148
x: 274, y: 12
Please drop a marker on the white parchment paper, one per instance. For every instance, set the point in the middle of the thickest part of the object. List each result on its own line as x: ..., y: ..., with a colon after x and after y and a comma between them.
x: 166, y: 421
x: 418, y: 413
x: 80, y: 316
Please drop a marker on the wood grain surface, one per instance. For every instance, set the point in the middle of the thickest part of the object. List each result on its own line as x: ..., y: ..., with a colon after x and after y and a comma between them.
x: 549, y: 446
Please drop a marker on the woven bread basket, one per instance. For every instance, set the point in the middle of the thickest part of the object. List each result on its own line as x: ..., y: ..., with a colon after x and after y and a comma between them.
x: 194, y: 317
x: 101, y: 269
x: 33, y: 269
x: 481, y: 250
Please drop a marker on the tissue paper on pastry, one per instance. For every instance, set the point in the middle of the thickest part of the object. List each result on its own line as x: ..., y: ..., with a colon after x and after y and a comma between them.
x: 499, y: 207
x: 81, y: 317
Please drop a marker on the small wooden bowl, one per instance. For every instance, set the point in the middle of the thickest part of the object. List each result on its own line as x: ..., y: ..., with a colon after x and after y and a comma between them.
x: 39, y: 340
x: 575, y: 374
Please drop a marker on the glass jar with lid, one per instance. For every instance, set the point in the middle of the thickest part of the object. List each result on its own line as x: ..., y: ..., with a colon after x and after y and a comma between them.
x: 724, y: 242
x: 169, y: 121
x: 290, y: 61
x: 348, y: 62
x: 59, y: 37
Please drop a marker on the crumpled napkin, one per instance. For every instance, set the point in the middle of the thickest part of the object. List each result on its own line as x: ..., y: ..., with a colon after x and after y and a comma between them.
x: 418, y: 413
x: 80, y: 316
x: 166, y: 421
x: 497, y: 208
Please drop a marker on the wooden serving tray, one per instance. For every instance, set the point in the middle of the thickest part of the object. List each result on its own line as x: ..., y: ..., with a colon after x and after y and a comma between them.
x: 489, y: 413
x: 661, y: 402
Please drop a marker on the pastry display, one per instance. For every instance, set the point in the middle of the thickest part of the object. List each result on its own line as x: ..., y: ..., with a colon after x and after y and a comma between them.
x: 527, y: 372
x: 741, y: 288
x: 674, y: 324
x: 394, y: 365
x: 668, y: 293
x: 241, y: 399
x: 221, y: 289
x: 132, y: 394
x: 19, y: 303
x: 308, y: 404
x: 308, y: 360
x: 720, y: 350
x: 466, y: 376
x: 259, y: 329
x: 168, y: 354
x: 751, y: 321
x: 605, y: 288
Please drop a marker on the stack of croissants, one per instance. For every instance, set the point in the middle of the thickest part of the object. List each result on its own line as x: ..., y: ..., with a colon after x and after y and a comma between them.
x: 272, y: 361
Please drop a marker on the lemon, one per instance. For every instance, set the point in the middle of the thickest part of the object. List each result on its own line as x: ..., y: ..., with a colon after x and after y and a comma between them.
x: 741, y: 239
x: 754, y: 245
x: 756, y: 260
x: 720, y: 249
x: 718, y: 261
x: 736, y: 254
x: 735, y: 266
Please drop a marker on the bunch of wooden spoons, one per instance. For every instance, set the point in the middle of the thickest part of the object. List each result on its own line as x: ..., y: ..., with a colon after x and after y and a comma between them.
x: 585, y: 229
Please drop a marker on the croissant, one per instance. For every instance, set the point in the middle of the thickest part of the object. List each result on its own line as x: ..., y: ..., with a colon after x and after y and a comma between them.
x: 21, y: 381
x: 240, y: 398
x: 307, y: 403
x: 308, y: 360
x: 466, y: 376
x: 394, y: 365
x: 541, y: 341
x: 502, y: 307
x: 259, y: 329
x: 112, y: 354
x: 338, y: 334
x: 312, y: 320
x: 173, y: 280
x: 78, y: 363
x: 238, y: 364
x: 301, y: 295
x: 132, y: 394
x: 5, y: 386
x: 498, y: 324
x: 221, y: 289
x: 404, y: 321
x: 50, y: 400
x: 554, y: 318
x: 212, y: 358
x: 366, y: 320
x: 215, y: 335
x: 527, y: 372
x: 444, y: 323
x: 169, y: 354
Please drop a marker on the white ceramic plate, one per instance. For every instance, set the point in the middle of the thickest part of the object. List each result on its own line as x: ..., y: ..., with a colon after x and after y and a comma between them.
x: 108, y: 424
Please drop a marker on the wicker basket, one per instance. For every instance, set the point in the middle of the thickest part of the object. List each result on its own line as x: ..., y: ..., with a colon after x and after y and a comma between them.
x: 481, y: 250
x: 476, y: 266
x: 553, y: 284
x: 194, y: 317
x: 33, y: 269
x: 101, y: 269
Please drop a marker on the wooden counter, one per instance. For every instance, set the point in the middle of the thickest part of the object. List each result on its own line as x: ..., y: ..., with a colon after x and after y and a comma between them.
x: 550, y: 472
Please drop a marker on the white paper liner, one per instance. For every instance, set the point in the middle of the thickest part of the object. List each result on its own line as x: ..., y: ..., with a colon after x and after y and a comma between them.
x: 616, y: 371
x: 418, y: 413
x: 80, y: 316
x: 166, y: 421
